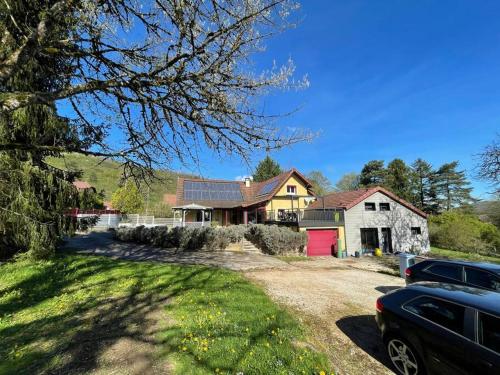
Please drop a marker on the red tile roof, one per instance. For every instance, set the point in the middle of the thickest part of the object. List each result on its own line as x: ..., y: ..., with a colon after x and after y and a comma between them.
x: 250, y: 194
x: 81, y: 185
x: 348, y: 199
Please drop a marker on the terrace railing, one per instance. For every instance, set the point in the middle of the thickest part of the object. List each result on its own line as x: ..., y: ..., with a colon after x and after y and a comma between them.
x: 307, y: 217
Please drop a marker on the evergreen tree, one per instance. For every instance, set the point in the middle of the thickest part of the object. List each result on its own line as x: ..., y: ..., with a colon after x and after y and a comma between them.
x: 266, y: 169
x: 452, y: 187
x: 422, y: 171
x: 348, y: 182
x: 321, y: 184
x: 398, y: 179
x: 373, y: 173
x: 33, y: 195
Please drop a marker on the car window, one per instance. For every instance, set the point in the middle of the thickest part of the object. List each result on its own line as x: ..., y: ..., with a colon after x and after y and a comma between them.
x: 489, y: 332
x: 447, y: 270
x: 482, y: 278
x: 446, y: 314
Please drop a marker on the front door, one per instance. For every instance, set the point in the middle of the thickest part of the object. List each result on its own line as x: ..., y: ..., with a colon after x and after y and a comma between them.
x: 386, y: 240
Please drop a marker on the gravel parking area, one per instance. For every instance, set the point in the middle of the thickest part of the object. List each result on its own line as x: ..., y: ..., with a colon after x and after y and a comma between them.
x: 336, y: 300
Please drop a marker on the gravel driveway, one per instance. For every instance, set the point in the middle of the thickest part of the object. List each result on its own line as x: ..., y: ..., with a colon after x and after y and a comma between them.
x: 336, y: 299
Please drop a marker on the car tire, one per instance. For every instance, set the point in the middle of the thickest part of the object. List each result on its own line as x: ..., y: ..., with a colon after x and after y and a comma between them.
x: 403, y: 356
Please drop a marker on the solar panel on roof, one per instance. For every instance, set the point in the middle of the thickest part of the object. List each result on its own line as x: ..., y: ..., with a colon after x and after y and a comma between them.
x: 267, y: 188
x: 216, y: 191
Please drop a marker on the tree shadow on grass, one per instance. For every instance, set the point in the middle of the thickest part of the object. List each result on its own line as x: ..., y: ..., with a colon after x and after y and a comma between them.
x: 113, y: 316
x: 83, y: 330
x: 363, y: 331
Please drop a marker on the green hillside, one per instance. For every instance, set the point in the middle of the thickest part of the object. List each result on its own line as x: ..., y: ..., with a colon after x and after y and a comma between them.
x: 106, y: 176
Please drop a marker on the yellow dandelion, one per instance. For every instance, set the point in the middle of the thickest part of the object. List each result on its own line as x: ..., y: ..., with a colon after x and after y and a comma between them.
x: 322, y: 373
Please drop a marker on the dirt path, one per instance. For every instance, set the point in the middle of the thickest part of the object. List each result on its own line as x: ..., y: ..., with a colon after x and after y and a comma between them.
x: 338, y: 302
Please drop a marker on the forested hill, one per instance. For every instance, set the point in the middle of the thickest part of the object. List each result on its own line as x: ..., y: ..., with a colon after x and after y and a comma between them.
x: 106, y: 175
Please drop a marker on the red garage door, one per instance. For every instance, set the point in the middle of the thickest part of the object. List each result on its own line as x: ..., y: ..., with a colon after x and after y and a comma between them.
x: 321, y: 242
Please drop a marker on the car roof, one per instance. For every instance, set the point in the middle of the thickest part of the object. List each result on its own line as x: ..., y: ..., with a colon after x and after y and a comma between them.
x: 481, y: 299
x: 492, y: 267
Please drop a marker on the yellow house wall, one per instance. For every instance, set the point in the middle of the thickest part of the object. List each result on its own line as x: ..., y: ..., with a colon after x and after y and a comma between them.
x: 282, y: 201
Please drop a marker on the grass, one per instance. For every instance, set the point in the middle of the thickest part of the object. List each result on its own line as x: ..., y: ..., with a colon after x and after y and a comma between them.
x: 62, y: 315
x: 105, y: 175
x: 453, y: 254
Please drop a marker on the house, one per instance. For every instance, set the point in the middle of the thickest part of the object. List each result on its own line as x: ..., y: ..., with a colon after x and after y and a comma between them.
x: 353, y: 221
x: 280, y: 200
x: 374, y: 218
x: 83, y: 185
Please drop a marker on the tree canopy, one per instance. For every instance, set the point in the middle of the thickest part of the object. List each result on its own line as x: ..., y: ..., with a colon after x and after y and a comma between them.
x: 266, y: 169
x: 321, y: 184
x: 128, y: 199
x: 170, y: 76
x: 348, y: 182
x: 489, y: 164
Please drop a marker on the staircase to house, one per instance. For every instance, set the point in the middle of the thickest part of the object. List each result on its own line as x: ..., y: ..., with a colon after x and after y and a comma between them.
x: 249, y: 247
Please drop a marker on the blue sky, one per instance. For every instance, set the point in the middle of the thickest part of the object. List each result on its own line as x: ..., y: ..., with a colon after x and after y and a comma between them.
x: 389, y: 79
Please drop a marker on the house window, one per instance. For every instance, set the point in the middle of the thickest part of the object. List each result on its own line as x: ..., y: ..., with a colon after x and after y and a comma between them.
x: 384, y: 206
x: 415, y: 231
x: 291, y: 189
x: 370, y: 206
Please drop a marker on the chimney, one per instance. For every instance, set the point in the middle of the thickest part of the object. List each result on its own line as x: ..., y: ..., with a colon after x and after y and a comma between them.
x: 247, y: 181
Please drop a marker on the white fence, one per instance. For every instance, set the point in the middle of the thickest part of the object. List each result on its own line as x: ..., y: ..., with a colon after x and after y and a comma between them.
x: 135, y: 220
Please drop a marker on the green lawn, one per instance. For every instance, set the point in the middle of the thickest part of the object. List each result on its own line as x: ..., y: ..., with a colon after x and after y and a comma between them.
x: 62, y: 315
x: 452, y: 254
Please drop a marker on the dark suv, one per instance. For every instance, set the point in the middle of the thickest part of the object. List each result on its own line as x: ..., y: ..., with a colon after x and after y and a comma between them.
x: 438, y: 328
x: 479, y: 275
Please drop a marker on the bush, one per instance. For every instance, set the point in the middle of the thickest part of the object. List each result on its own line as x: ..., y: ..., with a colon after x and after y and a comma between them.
x: 464, y: 232
x: 273, y: 239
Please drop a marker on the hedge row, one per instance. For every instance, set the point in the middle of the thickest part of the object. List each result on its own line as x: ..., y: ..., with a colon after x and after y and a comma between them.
x: 269, y: 239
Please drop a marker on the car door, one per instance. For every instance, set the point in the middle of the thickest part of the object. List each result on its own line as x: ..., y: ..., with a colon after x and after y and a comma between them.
x: 481, y: 278
x: 443, y: 272
x: 440, y: 330
x: 485, y: 349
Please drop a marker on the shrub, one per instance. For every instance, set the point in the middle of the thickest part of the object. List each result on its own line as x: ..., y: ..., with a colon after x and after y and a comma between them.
x: 464, y: 232
x: 272, y: 239
x: 269, y: 239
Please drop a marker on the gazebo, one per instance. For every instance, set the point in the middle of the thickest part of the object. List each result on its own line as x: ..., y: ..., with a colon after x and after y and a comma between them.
x: 203, y: 214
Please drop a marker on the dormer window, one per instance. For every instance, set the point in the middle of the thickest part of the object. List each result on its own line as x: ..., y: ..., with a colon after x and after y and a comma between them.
x: 291, y: 189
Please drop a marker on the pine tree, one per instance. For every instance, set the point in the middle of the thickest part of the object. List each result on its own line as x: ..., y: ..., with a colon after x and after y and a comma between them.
x: 33, y: 195
x: 398, y: 179
x: 373, y: 173
x: 424, y: 186
x: 266, y: 169
x: 452, y: 186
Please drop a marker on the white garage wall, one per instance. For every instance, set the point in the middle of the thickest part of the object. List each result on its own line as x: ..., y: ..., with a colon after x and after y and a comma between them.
x: 400, y: 219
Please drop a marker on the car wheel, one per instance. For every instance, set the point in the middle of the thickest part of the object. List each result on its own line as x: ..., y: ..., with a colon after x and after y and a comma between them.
x: 404, y: 357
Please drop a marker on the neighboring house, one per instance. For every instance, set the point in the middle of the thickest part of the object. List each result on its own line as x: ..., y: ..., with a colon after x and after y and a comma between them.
x: 376, y: 218
x: 83, y: 185
x: 281, y: 199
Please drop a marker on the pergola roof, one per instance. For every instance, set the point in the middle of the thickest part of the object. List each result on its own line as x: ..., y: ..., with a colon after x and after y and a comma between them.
x: 192, y: 206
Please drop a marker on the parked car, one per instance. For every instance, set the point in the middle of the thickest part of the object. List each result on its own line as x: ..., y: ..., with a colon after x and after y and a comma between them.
x: 478, y: 275
x: 439, y: 328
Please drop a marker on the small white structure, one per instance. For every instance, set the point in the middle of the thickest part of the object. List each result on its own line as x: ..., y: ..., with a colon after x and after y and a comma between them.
x: 194, y: 215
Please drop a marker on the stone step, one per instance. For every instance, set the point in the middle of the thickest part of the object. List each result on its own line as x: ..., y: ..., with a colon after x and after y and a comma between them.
x: 249, y: 247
